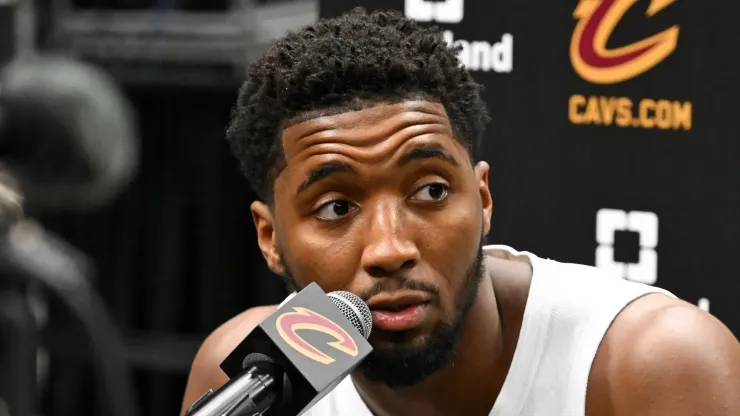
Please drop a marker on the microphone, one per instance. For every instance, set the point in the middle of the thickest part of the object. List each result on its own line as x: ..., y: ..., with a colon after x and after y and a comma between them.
x: 67, y: 133
x: 294, y: 357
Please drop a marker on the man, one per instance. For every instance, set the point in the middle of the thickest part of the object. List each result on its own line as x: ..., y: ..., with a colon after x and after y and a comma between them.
x: 361, y: 135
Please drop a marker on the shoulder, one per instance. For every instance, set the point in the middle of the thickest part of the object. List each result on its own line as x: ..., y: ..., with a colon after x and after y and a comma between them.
x: 662, y: 355
x: 205, y: 372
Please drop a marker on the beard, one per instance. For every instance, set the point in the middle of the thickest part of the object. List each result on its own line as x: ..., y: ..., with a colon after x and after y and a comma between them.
x: 406, y: 364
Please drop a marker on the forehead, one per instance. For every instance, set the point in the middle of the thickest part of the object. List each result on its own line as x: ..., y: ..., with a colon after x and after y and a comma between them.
x: 383, y: 125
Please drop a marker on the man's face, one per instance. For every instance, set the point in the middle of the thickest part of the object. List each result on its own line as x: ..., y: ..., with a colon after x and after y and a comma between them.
x: 383, y: 202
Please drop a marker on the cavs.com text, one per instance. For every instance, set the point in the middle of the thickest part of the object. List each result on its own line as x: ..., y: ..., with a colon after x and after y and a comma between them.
x: 624, y: 112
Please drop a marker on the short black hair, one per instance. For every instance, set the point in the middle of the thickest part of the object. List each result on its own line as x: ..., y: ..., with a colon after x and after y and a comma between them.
x: 347, y: 63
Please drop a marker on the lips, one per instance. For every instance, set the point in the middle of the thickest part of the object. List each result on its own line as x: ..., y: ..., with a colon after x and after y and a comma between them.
x: 399, y: 312
x: 397, y: 301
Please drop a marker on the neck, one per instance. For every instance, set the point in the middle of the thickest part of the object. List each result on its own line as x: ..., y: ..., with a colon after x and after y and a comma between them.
x: 468, y: 385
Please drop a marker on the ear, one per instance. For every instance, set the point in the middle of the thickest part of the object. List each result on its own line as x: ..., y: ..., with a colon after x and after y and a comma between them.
x: 481, y: 176
x: 264, y: 222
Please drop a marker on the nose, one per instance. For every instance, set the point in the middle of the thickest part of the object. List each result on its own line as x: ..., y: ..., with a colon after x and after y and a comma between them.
x: 388, y: 250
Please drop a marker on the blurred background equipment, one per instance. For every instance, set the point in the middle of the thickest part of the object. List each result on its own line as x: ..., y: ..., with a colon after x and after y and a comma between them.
x: 30, y: 259
x: 66, y: 133
x: 67, y: 143
x: 204, y: 44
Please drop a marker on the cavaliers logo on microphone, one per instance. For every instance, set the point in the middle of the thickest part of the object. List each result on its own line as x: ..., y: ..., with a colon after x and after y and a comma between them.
x: 304, y: 319
x: 596, y: 63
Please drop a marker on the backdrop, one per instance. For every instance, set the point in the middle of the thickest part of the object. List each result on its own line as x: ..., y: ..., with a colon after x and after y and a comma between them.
x: 614, y: 139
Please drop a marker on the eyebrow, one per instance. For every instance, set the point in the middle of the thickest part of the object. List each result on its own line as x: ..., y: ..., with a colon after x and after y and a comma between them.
x: 322, y: 171
x: 329, y: 168
x: 427, y: 152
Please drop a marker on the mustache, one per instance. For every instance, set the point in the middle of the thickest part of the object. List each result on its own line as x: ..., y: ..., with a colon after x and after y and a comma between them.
x: 396, y: 284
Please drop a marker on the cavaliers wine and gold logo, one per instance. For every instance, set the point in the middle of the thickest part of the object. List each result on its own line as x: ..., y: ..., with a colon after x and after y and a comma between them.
x: 598, y: 64
x: 289, y: 323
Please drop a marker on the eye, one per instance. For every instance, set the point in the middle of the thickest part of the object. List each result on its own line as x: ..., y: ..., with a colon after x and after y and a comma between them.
x: 431, y: 192
x: 334, y: 210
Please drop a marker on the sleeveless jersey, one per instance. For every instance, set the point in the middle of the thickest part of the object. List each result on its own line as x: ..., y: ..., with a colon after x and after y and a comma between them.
x: 568, y: 311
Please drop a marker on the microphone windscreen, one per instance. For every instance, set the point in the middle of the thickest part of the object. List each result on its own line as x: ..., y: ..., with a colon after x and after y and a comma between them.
x: 355, y: 310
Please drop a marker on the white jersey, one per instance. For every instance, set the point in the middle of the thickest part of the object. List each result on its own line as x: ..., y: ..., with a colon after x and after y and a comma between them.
x: 568, y: 311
